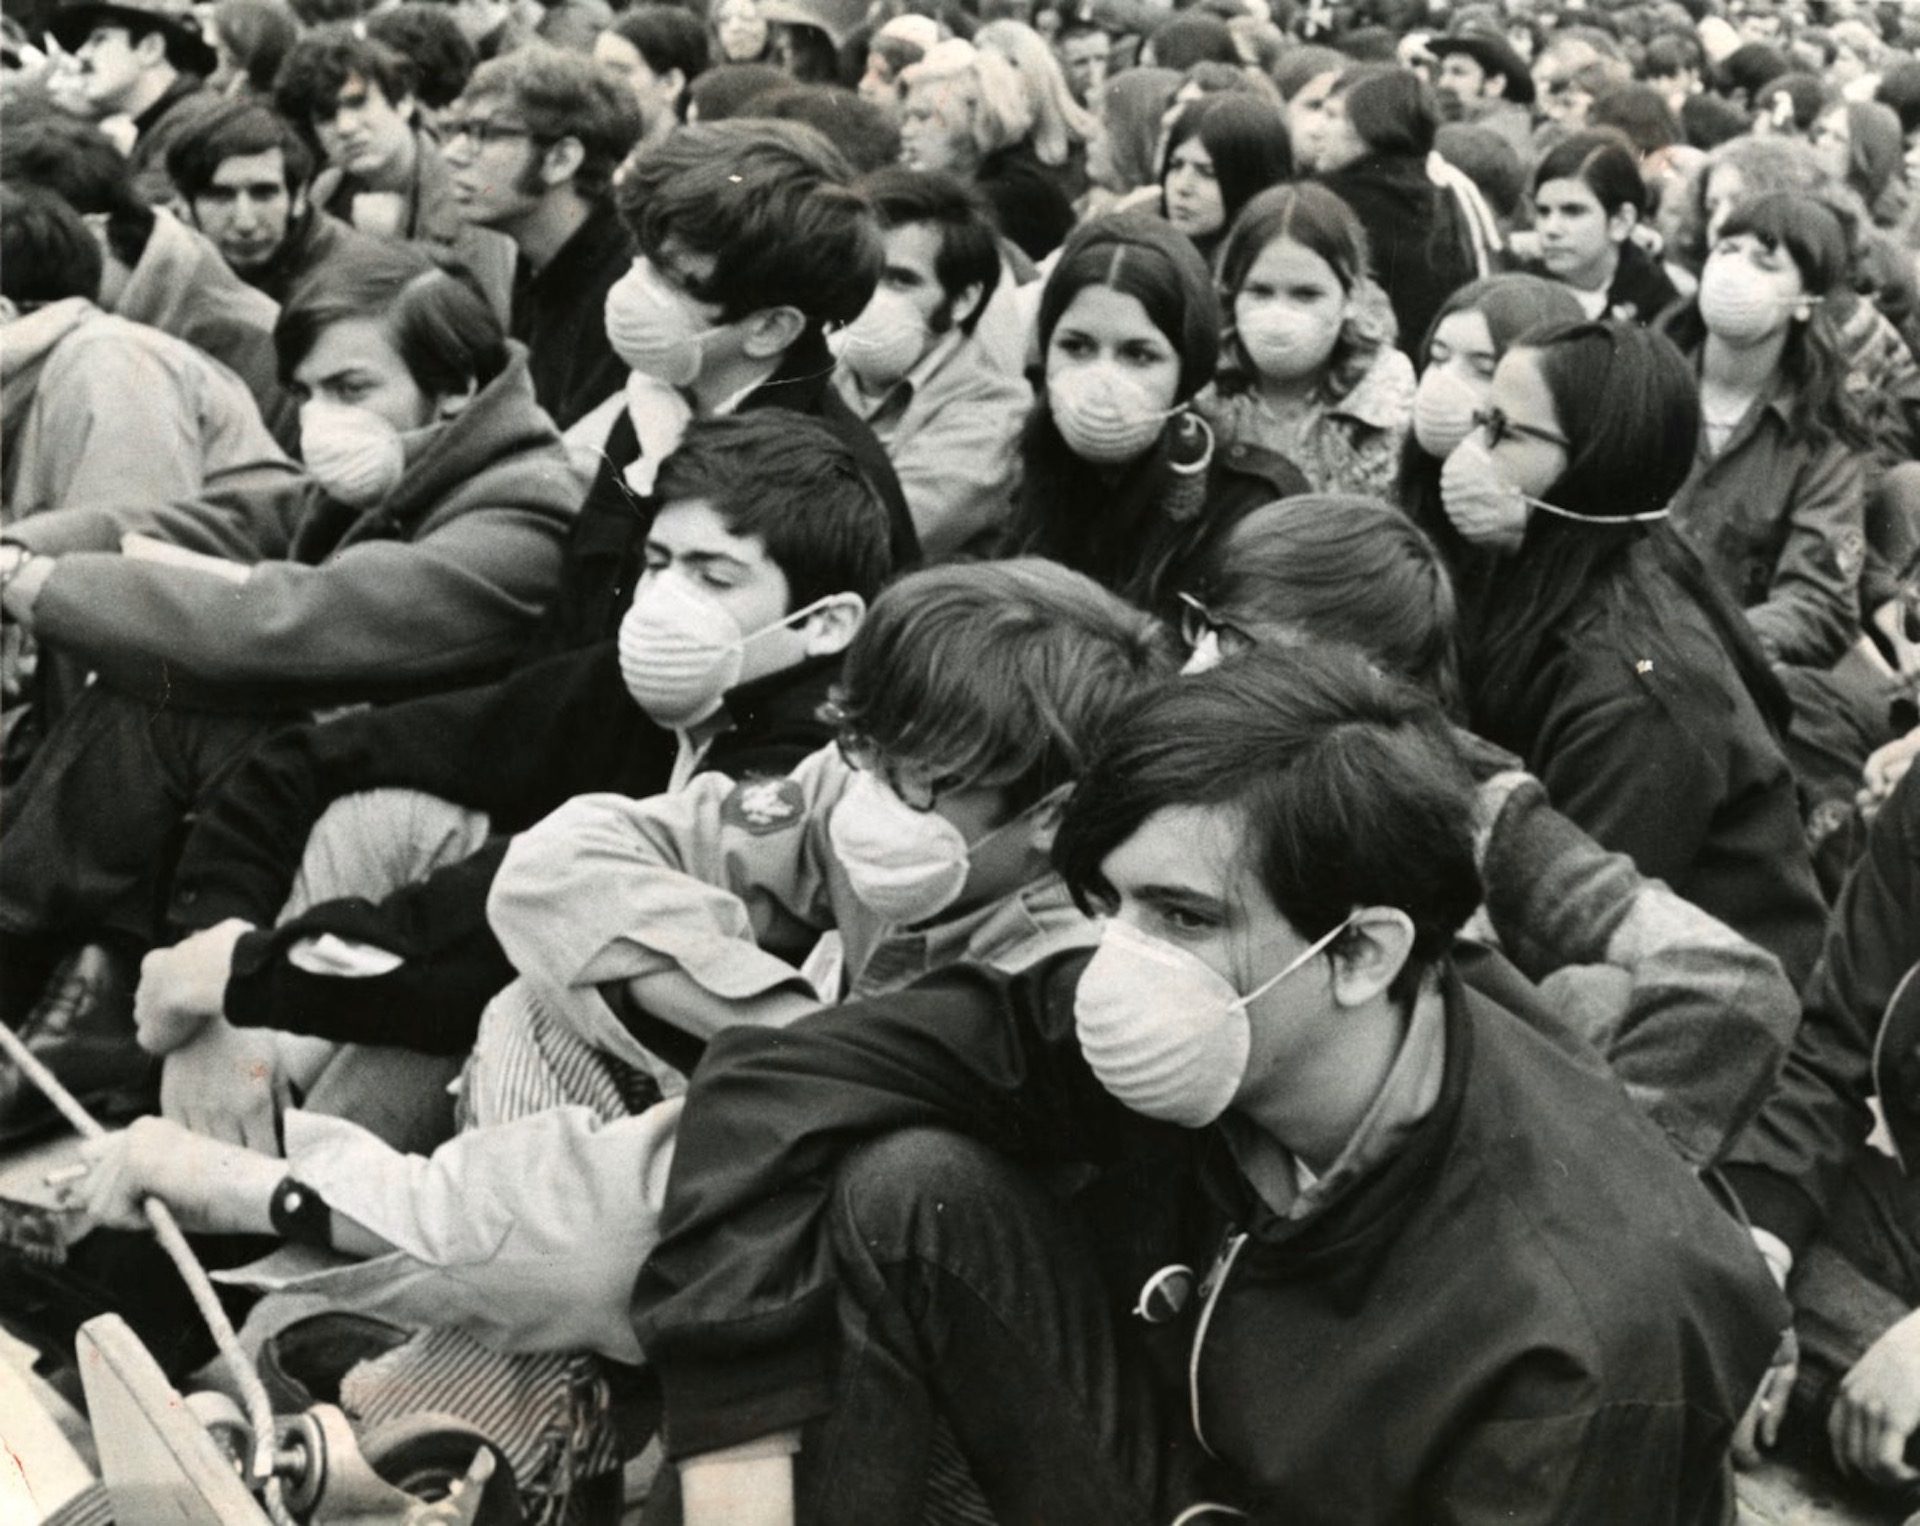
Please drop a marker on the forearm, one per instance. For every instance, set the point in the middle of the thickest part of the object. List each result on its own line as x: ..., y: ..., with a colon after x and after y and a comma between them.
x: 746, y: 1485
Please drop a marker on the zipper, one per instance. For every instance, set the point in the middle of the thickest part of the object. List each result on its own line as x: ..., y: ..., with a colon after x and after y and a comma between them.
x: 1216, y: 1280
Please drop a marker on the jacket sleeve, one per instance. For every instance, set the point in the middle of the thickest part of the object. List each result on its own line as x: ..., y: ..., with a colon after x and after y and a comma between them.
x: 378, y: 615
x: 243, y: 524
x: 1617, y: 760
x: 957, y: 468
x: 608, y: 888
x: 444, y: 965
x: 736, y: 1306
x: 1811, y: 613
x: 1788, y: 1166
x: 1707, y: 1015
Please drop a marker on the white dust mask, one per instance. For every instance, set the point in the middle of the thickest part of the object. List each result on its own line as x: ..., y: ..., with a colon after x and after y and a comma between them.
x: 652, y: 329
x: 1103, y: 414
x: 1443, y: 410
x: 353, y: 453
x: 1738, y: 303
x: 884, y: 342
x: 1162, y: 1031
x: 681, y: 650
x: 904, y: 865
x: 1282, y: 342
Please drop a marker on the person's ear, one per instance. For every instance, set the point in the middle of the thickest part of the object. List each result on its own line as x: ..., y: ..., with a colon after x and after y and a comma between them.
x: 773, y: 331
x: 297, y: 205
x: 1047, y: 817
x: 966, y: 307
x: 408, y: 107
x: 1493, y: 87
x: 674, y: 82
x: 1621, y: 224
x: 455, y: 404
x: 9, y: 310
x: 151, y: 50
x: 1369, y: 956
x: 562, y: 161
x: 830, y: 629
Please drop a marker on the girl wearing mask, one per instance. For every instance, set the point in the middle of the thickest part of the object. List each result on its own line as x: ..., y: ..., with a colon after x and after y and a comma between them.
x: 1604, y: 655
x: 1221, y: 152
x: 1773, y: 503
x: 1477, y: 326
x: 1310, y: 371
x: 1588, y: 197
x: 1122, y: 480
x: 1372, y: 149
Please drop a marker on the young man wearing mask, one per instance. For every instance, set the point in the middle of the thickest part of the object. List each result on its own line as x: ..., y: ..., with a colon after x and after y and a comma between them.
x: 1269, y: 1067
x: 386, y: 827
x: 530, y: 150
x: 912, y: 365
x: 243, y: 173
x: 750, y: 242
x: 142, y: 60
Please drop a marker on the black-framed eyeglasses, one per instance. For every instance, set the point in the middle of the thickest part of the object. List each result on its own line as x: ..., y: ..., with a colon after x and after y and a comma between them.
x: 917, y: 786
x: 1197, y: 622
x: 1499, y: 427
x: 482, y: 130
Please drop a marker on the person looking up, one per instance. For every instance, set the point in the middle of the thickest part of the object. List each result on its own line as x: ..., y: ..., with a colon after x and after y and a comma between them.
x: 1309, y: 371
x: 530, y: 150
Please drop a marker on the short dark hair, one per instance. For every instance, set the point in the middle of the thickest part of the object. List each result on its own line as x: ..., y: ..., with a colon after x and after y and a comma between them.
x: 969, y: 249
x: 1393, y: 111
x: 666, y: 37
x: 1187, y: 38
x: 1806, y: 98
x: 864, y: 134
x: 1900, y: 88
x: 998, y: 673
x: 729, y: 90
x: 432, y: 309
x: 796, y: 486
x: 1601, y: 160
x: 772, y: 204
x: 258, y: 33
x: 1639, y: 113
x: 230, y: 130
x: 1672, y: 53
x: 79, y: 164
x: 565, y: 95
x: 318, y: 66
x: 1708, y: 120
x: 1349, y: 787
x: 443, y: 59
x: 46, y: 252
x: 1340, y: 568
x: 1750, y: 67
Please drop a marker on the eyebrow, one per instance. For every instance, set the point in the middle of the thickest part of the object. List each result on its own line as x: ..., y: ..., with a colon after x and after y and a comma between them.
x: 1184, y: 897
x: 712, y: 559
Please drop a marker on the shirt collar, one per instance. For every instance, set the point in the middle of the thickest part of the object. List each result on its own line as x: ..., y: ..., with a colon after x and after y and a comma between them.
x: 900, y: 394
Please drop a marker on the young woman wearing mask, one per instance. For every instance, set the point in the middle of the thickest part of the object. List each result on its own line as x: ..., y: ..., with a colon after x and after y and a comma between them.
x: 1774, y: 500
x: 1476, y: 327
x: 1588, y: 197
x: 1310, y: 371
x: 1372, y: 153
x: 1221, y: 152
x: 1121, y: 480
x: 1605, y: 656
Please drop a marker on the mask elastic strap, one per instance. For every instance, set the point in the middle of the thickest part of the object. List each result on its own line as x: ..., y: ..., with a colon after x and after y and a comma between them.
x: 801, y: 614
x: 1305, y: 955
x: 1598, y: 519
x: 1013, y: 821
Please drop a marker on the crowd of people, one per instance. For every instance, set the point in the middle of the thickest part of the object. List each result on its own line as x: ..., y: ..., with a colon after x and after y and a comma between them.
x: 1049, y: 760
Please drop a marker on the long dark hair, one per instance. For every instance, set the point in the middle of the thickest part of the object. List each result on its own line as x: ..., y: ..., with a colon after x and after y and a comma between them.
x: 1246, y: 138
x: 1627, y: 401
x: 1111, y: 525
x: 1814, y: 238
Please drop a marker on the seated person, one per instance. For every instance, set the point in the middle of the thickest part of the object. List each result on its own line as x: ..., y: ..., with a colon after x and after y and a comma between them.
x: 1401, y: 1187
x: 1693, y: 1018
x: 1837, y: 1212
x: 70, y: 437
x: 416, y: 555
x: 155, y: 269
x: 243, y: 174
x: 751, y: 241
x: 722, y: 664
x: 911, y: 365
x: 530, y: 149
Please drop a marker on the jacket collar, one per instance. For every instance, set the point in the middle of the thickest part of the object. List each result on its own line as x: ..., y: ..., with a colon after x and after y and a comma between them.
x: 793, y: 693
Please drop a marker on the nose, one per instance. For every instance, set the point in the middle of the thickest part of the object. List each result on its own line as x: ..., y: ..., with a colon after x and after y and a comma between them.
x: 246, y: 216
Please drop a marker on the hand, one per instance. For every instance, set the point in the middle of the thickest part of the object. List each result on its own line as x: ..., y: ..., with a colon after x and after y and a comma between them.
x: 1878, y: 1408
x: 1760, y: 1426
x: 21, y: 588
x: 1885, y: 768
x: 227, y: 1084
x: 184, y: 987
x: 209, y: 1186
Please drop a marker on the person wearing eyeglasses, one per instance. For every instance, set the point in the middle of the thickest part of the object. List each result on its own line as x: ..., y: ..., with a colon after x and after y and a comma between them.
x: 1602, y: 652
x: 530, y: 149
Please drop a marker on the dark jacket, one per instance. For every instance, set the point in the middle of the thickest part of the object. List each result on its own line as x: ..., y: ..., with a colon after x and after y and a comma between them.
x: 1026, y: 200
x: 605, y: 548
x: 314, y: 239
x: 515, y: 750
x: 559, y: 313
x: 154, y: 132
x: 1640, y: 290
x: 1650, y: 740
x: 1789, y: 1164
x: 1422, y: 251
x: 1527, y: 1290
